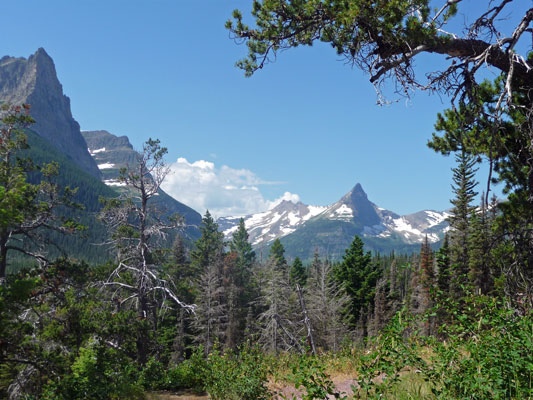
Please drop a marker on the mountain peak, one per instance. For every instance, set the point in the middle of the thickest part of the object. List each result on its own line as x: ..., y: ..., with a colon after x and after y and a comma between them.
x: 357, y: 191
x: 41, y: 55
x: 362, y: 210
x: 355, y: 195
x: 34, y: 81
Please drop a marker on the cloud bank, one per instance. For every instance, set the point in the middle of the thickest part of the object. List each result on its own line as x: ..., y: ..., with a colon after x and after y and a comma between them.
x: 223, y: 191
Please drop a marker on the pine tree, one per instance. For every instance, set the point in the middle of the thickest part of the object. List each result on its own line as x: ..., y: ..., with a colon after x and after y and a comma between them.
x: 479, y: 251
x: 208, y: 247
x: 277, y: 254
x: 178, y: 251
x: 358, y: 275
x: 27, y: 210
x: 464, y: 185
x: 245, y: 259
x: 443, y: 267
x: 298, y: 273
x: 240, y: 245
x: 242, y: 292
x: 426, y: 283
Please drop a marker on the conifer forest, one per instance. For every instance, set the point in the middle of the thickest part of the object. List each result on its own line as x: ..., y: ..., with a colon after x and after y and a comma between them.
x: 105, y: 293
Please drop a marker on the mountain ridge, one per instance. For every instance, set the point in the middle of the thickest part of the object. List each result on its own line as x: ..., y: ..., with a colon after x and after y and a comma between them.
x: 34, y: 81
x: 111, y: 153
x: 330, y: 229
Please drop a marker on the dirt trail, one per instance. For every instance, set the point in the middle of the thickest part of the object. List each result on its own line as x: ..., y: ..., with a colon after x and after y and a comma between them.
x: 343, y: 385
x: 175, y: 396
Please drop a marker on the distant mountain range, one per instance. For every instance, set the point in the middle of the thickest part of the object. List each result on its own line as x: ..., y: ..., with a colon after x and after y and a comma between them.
x: 329, y: 230
x: 56, y: 136
x: 91, y: 160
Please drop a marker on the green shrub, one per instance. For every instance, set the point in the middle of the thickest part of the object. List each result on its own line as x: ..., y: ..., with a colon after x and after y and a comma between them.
x: 98, y: 373
x: 488, y: 353
x: 309, y: 374
x: 237, y: 376
x: 190, y: 374
x: 154, y: 376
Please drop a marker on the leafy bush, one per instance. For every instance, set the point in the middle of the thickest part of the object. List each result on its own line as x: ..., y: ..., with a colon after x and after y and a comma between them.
x: 240, y: 376
x: 190, y: 374
x: 99, y: 372
x: 309, y: 374
x: 487, y: 354
x: 154, y: 376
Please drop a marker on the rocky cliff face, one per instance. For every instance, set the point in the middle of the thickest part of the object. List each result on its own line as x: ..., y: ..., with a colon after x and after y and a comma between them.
x: 34, y: 81
x: 111, y: 153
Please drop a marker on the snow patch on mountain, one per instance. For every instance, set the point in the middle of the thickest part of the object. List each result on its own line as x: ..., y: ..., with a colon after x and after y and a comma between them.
x: 282, y: 220
x: 93, y: 152
x: 106, y: 165
x: 287, y: 217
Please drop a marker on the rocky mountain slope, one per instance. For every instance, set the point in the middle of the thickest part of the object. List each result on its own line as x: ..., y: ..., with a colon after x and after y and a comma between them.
x: 34, y: 81
x: 303, y: 229
x: 280, y: 221
x: 111, y: 153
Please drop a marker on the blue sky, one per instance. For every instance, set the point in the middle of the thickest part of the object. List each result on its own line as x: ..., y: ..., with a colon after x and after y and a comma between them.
x: 307, y: 124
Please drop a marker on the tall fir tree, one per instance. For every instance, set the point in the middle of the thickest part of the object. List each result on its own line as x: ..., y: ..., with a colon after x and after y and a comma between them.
x: 208, y: 247
x: 442, y: 258
x: 240, y: 245
x: 479, y: 251
x: 464, y: 185
x: 298, y: 273
x: 358, y: 275
x: 277, y: 254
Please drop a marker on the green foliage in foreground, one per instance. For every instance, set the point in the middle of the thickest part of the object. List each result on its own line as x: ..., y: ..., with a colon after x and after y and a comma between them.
x: 487, y: 354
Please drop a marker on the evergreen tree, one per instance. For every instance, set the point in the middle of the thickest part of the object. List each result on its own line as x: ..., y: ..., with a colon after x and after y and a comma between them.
x: 181, y: 274
x: 443, y: 267
x: 426, y: 283
x: 178, y: 251
x: 277, y: 254
x: 208, y: 246
x: 27, y: 210
x: 242, y: 292
x: 245, y: 259
x: 240, y: 245
x: 298, y: 273
x: 464, y: 185
x: 358, y: 275
x: 479, y: 251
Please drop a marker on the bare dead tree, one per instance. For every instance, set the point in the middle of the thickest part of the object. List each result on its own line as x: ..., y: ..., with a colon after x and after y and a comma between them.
x: 137, y: 229
x: 210, y: 316
x: 327, y: 302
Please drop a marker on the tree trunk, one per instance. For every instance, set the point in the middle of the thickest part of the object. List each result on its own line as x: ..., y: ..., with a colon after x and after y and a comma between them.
x: 3, y: 258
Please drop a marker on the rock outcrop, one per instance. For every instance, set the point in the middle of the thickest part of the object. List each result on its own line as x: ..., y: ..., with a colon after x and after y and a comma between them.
x: 34, y: 81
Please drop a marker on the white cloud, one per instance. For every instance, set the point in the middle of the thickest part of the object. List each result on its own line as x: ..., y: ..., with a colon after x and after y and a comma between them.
x: 286, y: 196
x: 223, y: 191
